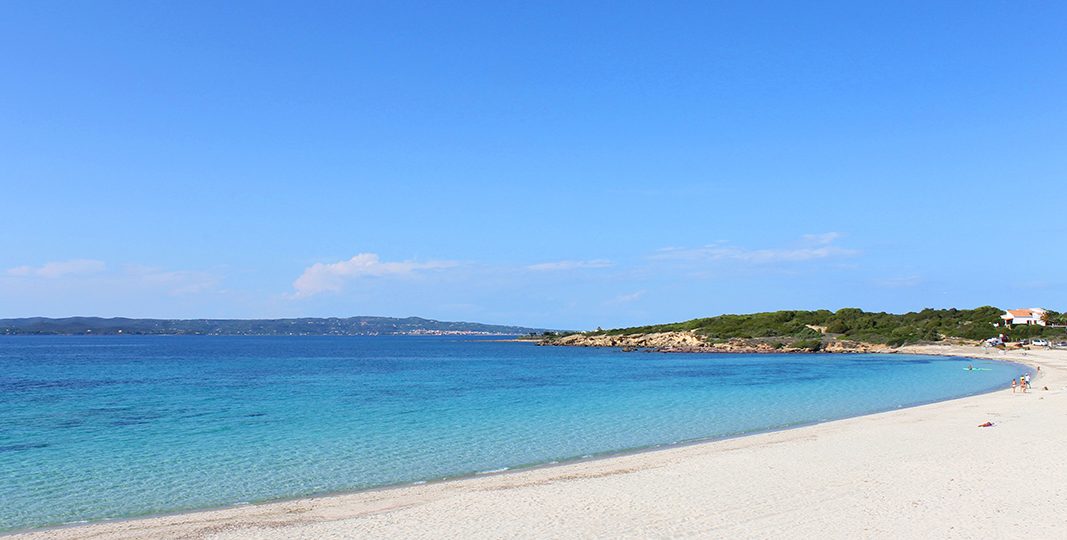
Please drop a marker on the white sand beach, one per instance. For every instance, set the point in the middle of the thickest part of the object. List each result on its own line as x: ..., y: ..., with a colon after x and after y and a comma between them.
x: 922, y: 472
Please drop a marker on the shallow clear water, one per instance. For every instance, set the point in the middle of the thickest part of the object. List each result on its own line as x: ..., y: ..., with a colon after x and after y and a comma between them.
x: 107, y: 427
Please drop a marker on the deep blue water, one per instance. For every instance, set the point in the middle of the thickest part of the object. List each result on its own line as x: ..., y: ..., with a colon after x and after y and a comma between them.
x: 108, y: 427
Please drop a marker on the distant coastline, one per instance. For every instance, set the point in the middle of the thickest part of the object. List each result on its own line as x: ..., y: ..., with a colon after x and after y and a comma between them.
x: 330, y: 326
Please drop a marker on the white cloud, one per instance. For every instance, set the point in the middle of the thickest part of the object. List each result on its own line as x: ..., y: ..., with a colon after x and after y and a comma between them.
x: 569, y: 265
x: 59, y: 269
x: 811, y: 247
x: 331, y: 277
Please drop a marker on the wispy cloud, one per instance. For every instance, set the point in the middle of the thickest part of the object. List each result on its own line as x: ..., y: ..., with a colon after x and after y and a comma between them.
x: 331, y: 277
x: 627, y: 297
x: 569, y: 265
x: 821, y: 238
x: 174, y: 282
x: 59, y: 269
x: 94, y: 275
x: 899, y: 282
x: 810, y: 247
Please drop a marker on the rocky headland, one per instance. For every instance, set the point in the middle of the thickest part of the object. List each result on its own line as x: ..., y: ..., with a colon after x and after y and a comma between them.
x: 689, y: 341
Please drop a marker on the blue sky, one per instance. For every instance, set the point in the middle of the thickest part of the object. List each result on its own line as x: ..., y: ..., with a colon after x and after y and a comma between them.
x: 546, y: 164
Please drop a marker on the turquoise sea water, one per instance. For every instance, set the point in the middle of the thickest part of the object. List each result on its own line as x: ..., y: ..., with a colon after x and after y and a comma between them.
x: 109, y: 427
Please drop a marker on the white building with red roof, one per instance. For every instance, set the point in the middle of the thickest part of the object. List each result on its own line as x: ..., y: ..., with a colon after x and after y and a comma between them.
x: 1024, y: 316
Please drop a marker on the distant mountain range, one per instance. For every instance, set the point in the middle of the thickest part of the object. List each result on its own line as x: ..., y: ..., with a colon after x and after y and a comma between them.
x: 351, y: 326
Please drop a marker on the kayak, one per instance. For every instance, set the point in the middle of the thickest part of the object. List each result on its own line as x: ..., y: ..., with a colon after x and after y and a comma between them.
x: 978, y: 369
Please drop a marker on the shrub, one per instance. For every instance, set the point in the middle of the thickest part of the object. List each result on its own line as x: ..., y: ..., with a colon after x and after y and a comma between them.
x: 807, y: 344
x: 854, y: 324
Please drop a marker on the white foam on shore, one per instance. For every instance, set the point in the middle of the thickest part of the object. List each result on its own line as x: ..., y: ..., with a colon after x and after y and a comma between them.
x: 493, y: 471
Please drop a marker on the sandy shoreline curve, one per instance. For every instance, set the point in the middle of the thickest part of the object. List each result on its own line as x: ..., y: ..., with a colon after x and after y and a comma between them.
x: 926, y: 471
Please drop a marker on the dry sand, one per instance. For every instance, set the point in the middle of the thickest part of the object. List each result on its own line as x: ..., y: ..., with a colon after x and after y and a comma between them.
x: 923, y: 472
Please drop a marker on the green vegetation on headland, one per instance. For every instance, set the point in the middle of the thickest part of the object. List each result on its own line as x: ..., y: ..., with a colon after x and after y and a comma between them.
x: 333, y: 326
x: 807, y: 329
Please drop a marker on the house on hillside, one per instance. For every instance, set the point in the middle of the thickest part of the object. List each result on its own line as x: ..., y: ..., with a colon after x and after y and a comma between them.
x: 1024, y: 316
